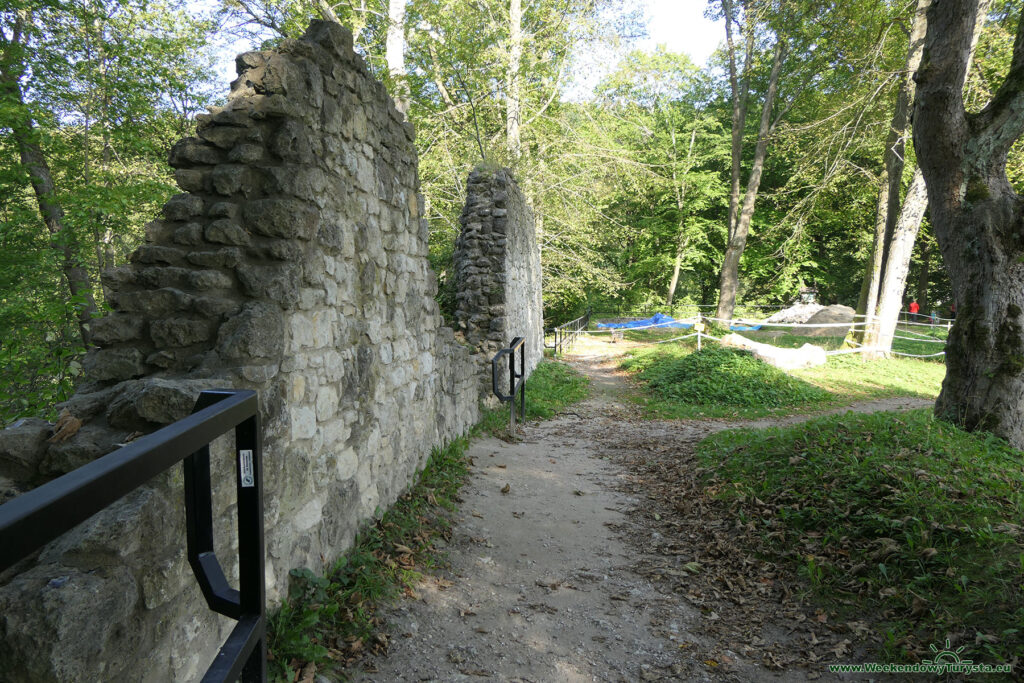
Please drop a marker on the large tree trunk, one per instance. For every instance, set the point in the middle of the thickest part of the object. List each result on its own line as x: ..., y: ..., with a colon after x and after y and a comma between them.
x: 887, y: 205
x: 729, y: 278
x: 32, y: 158
x: 976, y: 217
x: 395, y: 53
x: 513, y: 103
x: 897, y: 266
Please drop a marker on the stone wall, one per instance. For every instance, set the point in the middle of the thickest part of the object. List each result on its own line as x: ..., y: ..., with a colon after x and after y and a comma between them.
x: 295, y: 263
x: 497, y: 269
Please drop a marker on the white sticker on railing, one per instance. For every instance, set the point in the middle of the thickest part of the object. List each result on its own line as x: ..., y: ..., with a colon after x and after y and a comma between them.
x: 245, y: 469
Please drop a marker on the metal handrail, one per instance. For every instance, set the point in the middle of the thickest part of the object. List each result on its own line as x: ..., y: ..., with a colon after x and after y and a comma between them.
x: 516, y: 379
x: 566, y: 333
x: 33, y: 519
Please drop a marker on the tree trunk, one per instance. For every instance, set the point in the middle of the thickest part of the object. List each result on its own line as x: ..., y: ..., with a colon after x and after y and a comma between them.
x: 32, y: 158
x: 513, y: 104
x: 682, y: 241
x: 395, y: 53
x: 740, y: 98
x: 887, y: 205
x: 729, y: 279
x: 897, y: 267
x: 976, y: 217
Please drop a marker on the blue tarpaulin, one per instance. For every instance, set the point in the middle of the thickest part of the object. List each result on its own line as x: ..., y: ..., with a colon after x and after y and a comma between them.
x: 658, y: 319
x: 740, y: 328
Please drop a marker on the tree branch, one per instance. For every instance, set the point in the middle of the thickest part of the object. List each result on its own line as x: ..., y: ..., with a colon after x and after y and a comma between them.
x: 1002, y: 120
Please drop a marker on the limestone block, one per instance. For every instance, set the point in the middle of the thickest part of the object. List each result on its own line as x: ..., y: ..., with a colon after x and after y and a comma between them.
x: 308, y: 516
x: 157, y: 401
x: 228, y: 179
x: 226, y: 231
x: 191, y: 180
x: 175, y: 332
x: 223, y: 210
x: 189, y: 234
x: 256, y: 332
x: 289, y: 218
x: 326, y: 403
x: 116, y: 328
x: 303, y: 422
x: 113, y: 364
x: 191, y: 152
x: 278, y: 283
x: 22, y: 446
x: 221, y: 258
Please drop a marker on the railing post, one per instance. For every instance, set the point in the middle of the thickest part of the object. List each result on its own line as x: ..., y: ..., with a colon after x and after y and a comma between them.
x: 512, y: 392
x: 522, y: 387
x: 251, y: 556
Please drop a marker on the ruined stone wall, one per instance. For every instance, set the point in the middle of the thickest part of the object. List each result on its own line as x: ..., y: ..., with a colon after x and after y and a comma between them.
x: 497, y: 270
x: 295, y: 263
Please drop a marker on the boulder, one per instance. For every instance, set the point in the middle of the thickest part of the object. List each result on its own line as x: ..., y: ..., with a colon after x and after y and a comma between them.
x: 830, y: 315
x: 807, y: 356
x: 797, y: 313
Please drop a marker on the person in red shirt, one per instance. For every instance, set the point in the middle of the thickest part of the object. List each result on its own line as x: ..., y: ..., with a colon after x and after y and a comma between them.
x: 913, y: 308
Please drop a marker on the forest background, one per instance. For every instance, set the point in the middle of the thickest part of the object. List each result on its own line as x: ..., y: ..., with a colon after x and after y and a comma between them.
x: 637, y: 182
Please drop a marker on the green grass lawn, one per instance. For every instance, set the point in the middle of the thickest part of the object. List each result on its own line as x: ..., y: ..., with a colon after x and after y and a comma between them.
x: 898, y: 516
x: 681, y: 383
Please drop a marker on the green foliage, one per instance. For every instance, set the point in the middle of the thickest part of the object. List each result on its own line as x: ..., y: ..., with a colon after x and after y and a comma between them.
x: 104, y: 89
x: 896, y: 515
x: 718, y: 376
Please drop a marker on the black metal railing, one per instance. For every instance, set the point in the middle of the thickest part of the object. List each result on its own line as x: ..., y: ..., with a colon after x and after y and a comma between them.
x: 567, y: 333
x: 33, y: 519
x: 516, y: 379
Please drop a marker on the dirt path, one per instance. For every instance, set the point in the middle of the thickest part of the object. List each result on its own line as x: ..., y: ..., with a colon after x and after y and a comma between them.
x: 561, y: 569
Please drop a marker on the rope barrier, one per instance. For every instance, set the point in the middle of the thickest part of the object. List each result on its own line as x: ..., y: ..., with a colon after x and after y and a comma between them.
x: 685, y: 336
x: 916, y: 355
x: 919, y: 339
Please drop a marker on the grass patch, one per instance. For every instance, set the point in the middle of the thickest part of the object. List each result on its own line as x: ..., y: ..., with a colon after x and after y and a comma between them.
x: 718, y: 378
x: 551, y: 387
x: 852, y: 378
x: 899, y: 516
x: 682, y: 383
x: 329, y: 621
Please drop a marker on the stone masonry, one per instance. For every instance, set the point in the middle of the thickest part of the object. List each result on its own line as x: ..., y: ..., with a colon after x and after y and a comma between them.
x: 497, y: 270
x: 295, y: 264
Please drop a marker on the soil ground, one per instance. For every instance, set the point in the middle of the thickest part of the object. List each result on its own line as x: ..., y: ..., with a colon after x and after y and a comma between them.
x: 567, y: 563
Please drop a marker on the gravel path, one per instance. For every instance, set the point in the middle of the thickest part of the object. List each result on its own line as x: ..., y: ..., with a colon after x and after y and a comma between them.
x: 551, y: 578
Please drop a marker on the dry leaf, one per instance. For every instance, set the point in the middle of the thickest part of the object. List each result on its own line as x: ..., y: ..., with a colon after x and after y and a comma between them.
x: 506, y: 488
x: 308, y: 673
